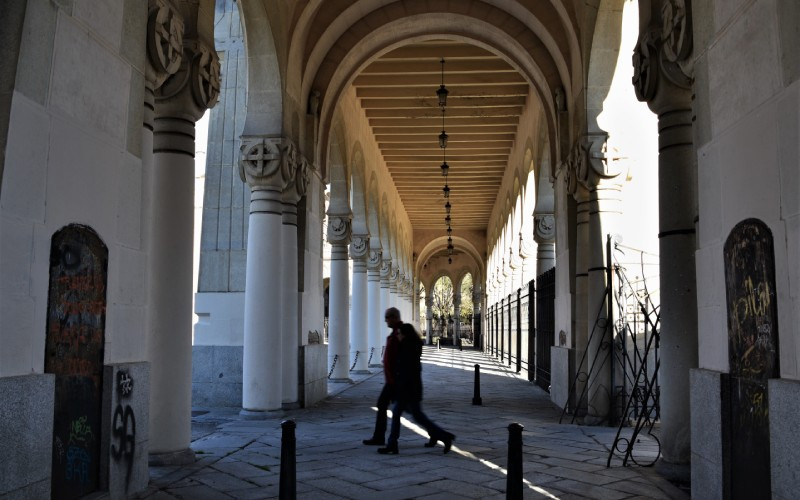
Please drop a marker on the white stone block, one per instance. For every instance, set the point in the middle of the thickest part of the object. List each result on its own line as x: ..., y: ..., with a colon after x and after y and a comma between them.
x: 789, y: 149
x: 125, y: 333
x: 712, y: 337
x: 129, y: 201
x: 744, y: 48
x: 104, y: 18
x: 16, y: 328
x: 89, y: 82
x: 126, y: 277
x: 82, y: 180
x: 710, y: 270
x: 24, y: 173
x: 221, y: 319
x: 710, y: 197
x: 16, y: 249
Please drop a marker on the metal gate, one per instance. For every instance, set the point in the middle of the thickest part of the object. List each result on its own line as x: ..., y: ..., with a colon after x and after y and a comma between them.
x: 545, y: 325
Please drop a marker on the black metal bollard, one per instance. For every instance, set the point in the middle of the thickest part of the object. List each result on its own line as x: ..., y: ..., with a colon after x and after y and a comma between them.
x: 514, y: 477
x: 288, y: 479
x: 439, y: 343
x: 476, y: 393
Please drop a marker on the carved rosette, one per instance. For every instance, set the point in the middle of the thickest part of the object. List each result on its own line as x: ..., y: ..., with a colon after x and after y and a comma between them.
x: 676, y: 30
x: 205, y: 76
x: 339, y: 230
x: 374, y: 260
x: 645, y: 67
x: 545, y: 227
x: 386, y: 268
x: 259, y: 162
x: 295, y: 168
x: 165, y: 28
x: 359, y: 246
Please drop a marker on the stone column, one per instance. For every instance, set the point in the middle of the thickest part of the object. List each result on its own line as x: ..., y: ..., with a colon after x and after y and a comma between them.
x: 266, y: 164
x: 394, y: 297
x: 527, y: 250
x: 180, y: 101
x: 662, y: 78
x: 359, y: 342
x: 429, y: 319
x: 456, y: 318
x: 477, y: 319
x: 374, y: 312
x: 290, y: 300
x: 339, y: 298
x: 604, y: 211
x: 386, y: 271
x: 545, y: 236
x: 581, y: 339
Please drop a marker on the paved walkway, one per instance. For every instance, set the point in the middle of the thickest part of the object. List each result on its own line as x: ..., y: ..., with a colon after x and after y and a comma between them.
x: 241, y: 459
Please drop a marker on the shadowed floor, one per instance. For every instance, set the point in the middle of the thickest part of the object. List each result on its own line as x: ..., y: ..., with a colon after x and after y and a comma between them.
x: 241, y: 459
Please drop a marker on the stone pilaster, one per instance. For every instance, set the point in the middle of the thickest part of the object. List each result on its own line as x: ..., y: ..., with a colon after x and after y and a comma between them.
x: 375, y: 324
x: 456, y: 318
x: 662, y: 63
x: 339, y: 234
x: 182, y: 81
x: 359, y: 248
x: 385, y: 272
x: 429, y: 318
x: 526, y: 252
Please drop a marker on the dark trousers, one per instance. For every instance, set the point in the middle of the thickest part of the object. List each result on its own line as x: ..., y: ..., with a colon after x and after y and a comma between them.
x: 384, y: 400
x: 415, y: 408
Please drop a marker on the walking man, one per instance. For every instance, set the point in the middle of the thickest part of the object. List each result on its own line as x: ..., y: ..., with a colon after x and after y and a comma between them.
x: 408, y: 385
x: 392, y: 318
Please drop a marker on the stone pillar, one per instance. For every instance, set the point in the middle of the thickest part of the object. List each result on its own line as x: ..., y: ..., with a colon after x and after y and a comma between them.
x: 290, y: 300
x: 429, y: 319
x: 386, y: 271
x: 394, y: 297
x: 456, y: 318
x: 662, y: 61
x: 477, y: 320
x: 359, y: 342
x: 545, y: 237
x: 374, y: 312
x: 180, y: 101
x: 581, y: 337
x: 527, y: 250
x: 339, y: 298
x: 266, y: 164
x: 603, y: 211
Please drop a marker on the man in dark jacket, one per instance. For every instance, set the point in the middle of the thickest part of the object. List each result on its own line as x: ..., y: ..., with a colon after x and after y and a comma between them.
x: 393, y: 321
x: 408, y: 391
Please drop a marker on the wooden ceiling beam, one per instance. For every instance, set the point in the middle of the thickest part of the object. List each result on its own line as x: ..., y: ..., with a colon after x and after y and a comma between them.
x: 451, y: 122
x: 457, y: 66
x: 388, y: 138
x: 452, y: 113
x: 512, y: 89
x: 435, y: 79
x: 452, y: 103
x: 431, y: 144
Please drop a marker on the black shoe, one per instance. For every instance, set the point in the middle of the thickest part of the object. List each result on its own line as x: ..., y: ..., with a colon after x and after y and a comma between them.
x: 448, y: 442
x: 374, y: 442
x: 389, y: 450
x: 431, y: 442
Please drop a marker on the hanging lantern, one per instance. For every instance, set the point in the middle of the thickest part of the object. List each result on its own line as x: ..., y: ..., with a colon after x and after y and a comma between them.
x: 449, y: 260
x: 443, y: 139
x: 445, y: 168
x: 446, y: 191
x: 447, y: 207
x: 442, y: 95
x: 449, y: 231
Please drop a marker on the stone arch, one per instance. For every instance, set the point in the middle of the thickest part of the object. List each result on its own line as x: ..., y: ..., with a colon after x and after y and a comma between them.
x: 437, y: 244
x: 339, y: 175
x: 265, y: 85
x: 358, y: 194
x: 373, y: 213
x: 602, y: 55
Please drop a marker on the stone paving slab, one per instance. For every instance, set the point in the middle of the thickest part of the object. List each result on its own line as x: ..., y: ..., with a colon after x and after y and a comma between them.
x: 241, y: 458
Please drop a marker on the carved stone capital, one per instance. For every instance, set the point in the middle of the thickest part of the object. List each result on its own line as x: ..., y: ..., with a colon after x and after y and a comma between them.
x: 662, y: 57
x: 514, y: 261
x: 260, y: 162
x: 386, y: 268
x: 544, y: 227
x: 298, y: 183
x: 374, y: 259
x: 194, y: 87
x: 526, y: 248
x: 339, y: 230
x: 429, y: 301
x: 165, y: 28
x: 359, y: 246
x: 395, y: 274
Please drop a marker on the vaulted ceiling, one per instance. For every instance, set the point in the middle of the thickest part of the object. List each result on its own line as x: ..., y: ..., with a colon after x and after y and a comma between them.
x: 487, y: 95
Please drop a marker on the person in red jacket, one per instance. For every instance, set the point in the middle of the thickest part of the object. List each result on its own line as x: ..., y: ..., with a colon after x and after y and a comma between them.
x: 393, y: 321
x: 407, y: 381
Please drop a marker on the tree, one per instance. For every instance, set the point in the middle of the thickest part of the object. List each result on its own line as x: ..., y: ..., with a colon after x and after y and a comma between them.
x: 466, y: 298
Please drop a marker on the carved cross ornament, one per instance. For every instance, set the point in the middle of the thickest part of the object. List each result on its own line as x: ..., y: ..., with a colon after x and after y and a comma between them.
x: 164, y: 41
x: 205, y: 76
x: 259, y: 162
x: 386, y: 268
x: 664, y: 49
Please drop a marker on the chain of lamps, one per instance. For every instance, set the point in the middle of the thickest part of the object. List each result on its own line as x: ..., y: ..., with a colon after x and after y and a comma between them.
x: 441, y: 94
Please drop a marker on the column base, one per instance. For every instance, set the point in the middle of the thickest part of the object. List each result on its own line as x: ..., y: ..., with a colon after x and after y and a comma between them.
x: 259, y: 414
x: 293, y: 405
x: 361, y: 372
x: 341, y: 380
x: 181, y: 457
x: 594, y: 420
